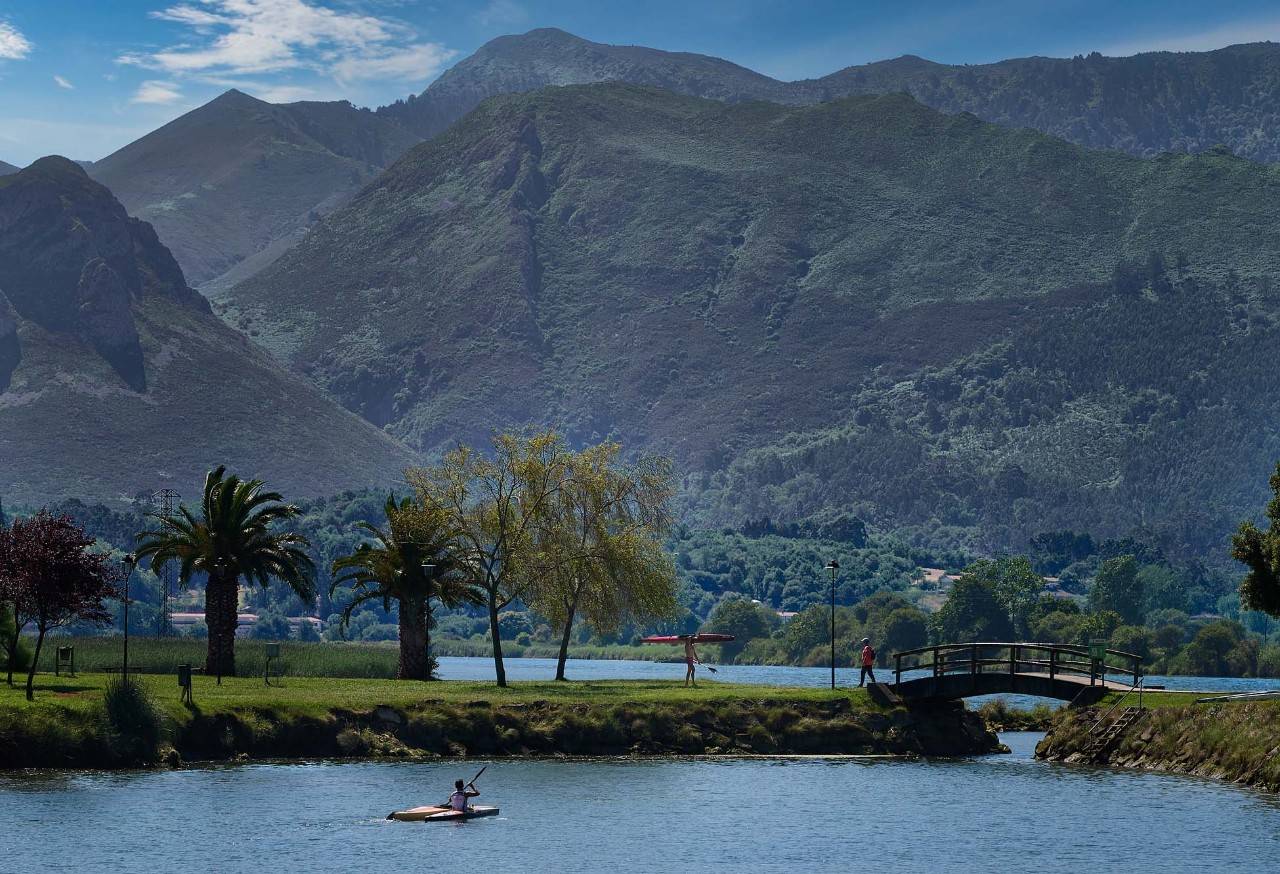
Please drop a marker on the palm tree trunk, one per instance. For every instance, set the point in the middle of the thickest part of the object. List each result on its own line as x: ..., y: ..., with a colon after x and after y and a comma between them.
x: 499, y: 670
x: 564, y: 639
x: 413, y: 640
x: 221, y: 614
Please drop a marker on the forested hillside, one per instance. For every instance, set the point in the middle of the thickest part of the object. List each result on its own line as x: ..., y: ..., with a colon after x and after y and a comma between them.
x: 706, y: 279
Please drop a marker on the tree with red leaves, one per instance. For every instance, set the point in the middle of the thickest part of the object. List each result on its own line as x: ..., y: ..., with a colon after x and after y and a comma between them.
x: 51, y: 579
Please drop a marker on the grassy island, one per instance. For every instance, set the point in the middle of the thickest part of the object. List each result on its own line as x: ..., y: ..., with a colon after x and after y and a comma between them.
x: 68, y: 725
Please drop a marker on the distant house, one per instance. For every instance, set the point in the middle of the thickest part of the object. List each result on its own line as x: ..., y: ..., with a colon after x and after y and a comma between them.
x: 787, y: 615
x: 934, y: 578
x: 244, y: 622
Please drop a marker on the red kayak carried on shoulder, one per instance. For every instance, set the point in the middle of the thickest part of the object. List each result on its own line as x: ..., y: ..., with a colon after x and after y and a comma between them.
x: 703, y: 637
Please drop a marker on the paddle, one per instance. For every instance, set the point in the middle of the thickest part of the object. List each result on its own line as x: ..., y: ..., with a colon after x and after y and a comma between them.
x: 471, y: 783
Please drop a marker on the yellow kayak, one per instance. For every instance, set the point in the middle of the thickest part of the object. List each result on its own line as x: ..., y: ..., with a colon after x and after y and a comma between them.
x: 441, y: 813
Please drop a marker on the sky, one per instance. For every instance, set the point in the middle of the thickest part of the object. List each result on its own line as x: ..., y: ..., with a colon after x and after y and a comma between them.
x: 82, y: 78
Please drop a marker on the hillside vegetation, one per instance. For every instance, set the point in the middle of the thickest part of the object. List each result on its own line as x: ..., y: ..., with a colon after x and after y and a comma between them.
x: 709, y: 279
x: 115, y: 378
x: 237, y: 181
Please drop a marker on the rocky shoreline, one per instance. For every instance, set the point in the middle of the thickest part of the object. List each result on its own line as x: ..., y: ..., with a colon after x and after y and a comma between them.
x: 432, y: 730
x: 1236, y: 742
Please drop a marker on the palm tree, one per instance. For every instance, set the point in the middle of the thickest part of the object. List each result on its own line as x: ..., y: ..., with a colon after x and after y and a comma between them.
x: 232, y: 538
x: 413, y: 562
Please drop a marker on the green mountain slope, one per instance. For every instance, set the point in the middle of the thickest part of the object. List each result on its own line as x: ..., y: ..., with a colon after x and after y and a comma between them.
x: 1144, y: 104
x: 237, y: 181
x: 707, y: 278
x: 115, y: 377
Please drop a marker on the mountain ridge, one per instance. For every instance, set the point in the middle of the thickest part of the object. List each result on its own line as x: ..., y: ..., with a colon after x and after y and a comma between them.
x: 231, y: 178
x: 108, y: 359
x: 1143, y: 104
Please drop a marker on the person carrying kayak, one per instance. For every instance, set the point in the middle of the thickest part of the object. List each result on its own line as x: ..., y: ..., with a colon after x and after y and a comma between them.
x: 690, y: 659
x: 462, y: 793
x: 868, y: 662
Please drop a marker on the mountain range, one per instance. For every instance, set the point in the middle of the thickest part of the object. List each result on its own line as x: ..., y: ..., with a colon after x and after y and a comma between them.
x: 234, y: 183
x: 1143, y: 104
x: 230, y: 185
x: 847, y: 292
x: 718, y: 281
x: 6, y: 169
x: 116, y: 378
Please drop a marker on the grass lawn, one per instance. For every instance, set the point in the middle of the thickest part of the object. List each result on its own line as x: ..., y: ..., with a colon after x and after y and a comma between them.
x: 317, y: 695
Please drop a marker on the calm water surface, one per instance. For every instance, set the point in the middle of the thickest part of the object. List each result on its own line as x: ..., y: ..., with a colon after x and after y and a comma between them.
x: 998, y: 813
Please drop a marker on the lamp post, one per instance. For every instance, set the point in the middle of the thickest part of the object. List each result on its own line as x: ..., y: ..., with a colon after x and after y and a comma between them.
x: 833, y: 566
x: 130, y: 561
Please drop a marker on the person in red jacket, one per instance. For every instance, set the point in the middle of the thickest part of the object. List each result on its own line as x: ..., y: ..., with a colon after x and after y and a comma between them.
x: 868, y: 662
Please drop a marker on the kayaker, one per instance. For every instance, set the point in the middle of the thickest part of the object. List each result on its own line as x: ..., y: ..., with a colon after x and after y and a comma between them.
x: 868, y: 662
x: 461, y: 795
x: 690, y: 659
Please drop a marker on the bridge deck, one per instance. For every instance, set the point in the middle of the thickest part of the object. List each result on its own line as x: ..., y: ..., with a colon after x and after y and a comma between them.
x: 1065, y: 672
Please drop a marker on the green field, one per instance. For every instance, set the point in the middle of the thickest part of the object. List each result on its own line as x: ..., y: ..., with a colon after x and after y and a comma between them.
x: 315, y: 695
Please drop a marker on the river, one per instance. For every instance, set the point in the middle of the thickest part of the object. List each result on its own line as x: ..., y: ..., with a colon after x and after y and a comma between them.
x: 1005, y: 813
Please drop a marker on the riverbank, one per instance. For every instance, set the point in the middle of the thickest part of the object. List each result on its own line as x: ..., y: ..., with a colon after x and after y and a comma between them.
x: 1237, y: 742
x: 68, y: 726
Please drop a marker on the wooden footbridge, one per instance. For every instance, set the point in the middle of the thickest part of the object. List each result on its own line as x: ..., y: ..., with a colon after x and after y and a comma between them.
x: 1048, y: 670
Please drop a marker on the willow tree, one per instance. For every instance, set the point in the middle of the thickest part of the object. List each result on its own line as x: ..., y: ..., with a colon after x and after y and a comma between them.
x: 413, y: 561
x: 1259, y: 551
x: 234, y: 536
x: 496, y: 505
x: 601, y: 555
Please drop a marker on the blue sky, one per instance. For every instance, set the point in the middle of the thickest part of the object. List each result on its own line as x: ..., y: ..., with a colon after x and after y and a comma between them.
x: 84, y: 77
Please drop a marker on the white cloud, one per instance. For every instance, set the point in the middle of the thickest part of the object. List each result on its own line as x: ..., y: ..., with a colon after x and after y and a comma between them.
x: 502, y: 13
x: 13, y: 45
x: 63, y: 83
x: 1231, y: 33
x: 255, y: 37
x: 155, y: 91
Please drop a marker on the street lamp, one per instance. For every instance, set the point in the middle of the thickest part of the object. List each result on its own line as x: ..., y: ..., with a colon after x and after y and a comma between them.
x: 130, y: 561
x: 833, y: 566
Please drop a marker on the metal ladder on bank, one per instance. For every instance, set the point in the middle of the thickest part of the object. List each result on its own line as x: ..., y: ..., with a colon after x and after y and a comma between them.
x: 1103, y: 737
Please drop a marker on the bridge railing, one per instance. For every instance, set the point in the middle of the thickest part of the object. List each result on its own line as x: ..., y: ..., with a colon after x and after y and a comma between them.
x: 1054, y: 659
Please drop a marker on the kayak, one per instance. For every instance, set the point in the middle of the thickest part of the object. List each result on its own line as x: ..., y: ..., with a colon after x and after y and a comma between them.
x: 439, y: 813
x: 703, y: 637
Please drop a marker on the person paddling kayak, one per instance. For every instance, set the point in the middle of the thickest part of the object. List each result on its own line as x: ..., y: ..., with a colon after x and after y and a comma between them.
x: 462, y: 793
x: 868, y: 662
x: 690, y: 659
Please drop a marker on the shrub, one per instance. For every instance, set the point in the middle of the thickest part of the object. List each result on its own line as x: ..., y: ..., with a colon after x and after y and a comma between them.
x: 135, y: 721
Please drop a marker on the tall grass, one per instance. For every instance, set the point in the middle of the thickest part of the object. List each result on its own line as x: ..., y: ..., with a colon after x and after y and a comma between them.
x: 162, y: 655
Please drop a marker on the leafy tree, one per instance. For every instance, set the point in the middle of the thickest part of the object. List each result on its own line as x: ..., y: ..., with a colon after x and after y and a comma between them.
x: 233, y: 537
x: 903, y: 629
x: 1118, y: 588
x: 742, y: 618
x: 972, y: 613
x: 1134, y: 639
x: 1259, y: 551
x: 1015, y: 585
x: 49, y: 579
x: 601, y: 545
x: 1162, y: 589
x: 1217, y: 650
x: 271, y: 625
x: 413, y: 561
x: 496, y: 506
